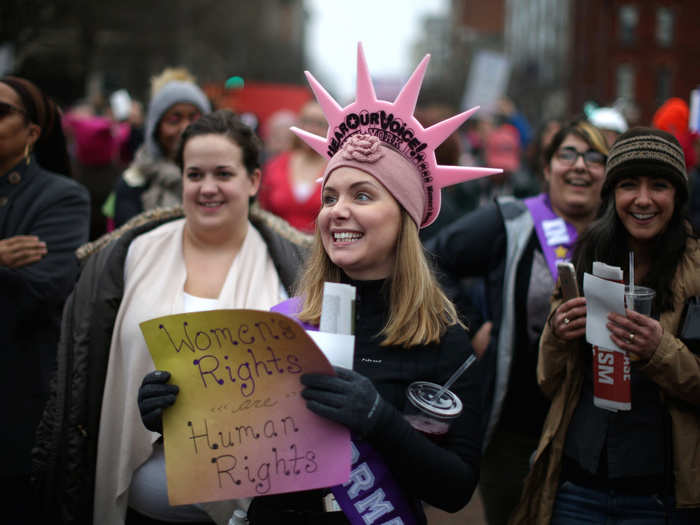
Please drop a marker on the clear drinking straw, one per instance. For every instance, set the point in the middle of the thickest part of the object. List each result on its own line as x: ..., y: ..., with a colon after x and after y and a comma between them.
x: 455, y: 376
x: 631, y: 273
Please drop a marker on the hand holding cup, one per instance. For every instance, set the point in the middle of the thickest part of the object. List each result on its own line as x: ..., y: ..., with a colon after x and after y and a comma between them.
x: 639, y: 334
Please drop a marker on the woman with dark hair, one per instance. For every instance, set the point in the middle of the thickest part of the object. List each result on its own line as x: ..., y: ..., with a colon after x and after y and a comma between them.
x: 514, y: 246
x: 95, y: 461
x: 641, y: 465
x: 44, y: 218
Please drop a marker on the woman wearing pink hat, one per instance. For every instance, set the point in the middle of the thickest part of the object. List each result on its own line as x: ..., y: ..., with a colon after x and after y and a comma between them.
x: 381, y: 185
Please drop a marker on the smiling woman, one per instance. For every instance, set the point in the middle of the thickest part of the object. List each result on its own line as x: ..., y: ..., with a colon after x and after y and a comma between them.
x: 514, y: 246
x: 645, y: 206
x: 221, y: 254
x: 215, y: 194
x: 647, y: 455
x: 380, y: 186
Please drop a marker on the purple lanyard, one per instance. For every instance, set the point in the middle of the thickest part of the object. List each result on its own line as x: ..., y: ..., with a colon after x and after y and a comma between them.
x: 372, y: 495
x: 556, y: 236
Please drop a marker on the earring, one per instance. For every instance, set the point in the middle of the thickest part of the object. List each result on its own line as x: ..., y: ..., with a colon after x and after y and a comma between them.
x: 27, y: 152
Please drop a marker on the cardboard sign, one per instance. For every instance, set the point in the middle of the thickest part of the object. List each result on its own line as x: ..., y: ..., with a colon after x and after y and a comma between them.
x: 240, y: 427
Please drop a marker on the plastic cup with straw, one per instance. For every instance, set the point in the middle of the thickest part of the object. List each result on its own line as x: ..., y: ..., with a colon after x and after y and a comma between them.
x: 432, y: 407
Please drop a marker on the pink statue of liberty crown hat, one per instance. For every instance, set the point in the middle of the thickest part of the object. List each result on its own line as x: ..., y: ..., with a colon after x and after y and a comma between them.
x: 394, y: 124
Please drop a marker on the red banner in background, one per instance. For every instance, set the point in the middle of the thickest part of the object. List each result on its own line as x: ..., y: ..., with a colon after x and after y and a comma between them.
x: 260, y: 98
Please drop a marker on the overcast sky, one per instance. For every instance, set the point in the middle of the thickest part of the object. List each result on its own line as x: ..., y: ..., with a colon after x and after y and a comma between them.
x: 386, y: 28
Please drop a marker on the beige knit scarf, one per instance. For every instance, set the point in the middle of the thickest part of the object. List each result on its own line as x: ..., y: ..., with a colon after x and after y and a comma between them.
x: 154, y: 279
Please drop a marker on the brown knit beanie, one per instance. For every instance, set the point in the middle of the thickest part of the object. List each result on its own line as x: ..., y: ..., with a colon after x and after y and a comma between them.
x: 646, y: 151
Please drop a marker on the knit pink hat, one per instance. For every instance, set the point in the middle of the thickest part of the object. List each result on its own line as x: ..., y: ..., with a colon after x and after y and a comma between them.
x: 369, y: 154
x: 400, y: 133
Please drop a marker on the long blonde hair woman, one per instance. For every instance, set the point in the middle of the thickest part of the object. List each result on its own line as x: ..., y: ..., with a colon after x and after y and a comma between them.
x: 419, y: 311
x: 380, y: 186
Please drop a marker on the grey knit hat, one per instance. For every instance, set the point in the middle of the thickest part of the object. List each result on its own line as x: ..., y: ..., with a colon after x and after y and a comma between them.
x: 646, y: 151
x: 172, y: 93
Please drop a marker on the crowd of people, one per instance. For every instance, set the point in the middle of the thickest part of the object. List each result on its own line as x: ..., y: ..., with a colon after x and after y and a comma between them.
x: 109, y: 219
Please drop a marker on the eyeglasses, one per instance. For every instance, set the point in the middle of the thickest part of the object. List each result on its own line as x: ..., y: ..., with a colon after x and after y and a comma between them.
x: 591, y: 158
x: 6, y: 109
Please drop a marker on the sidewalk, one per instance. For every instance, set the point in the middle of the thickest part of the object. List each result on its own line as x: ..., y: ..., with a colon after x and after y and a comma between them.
x: 472, y: 514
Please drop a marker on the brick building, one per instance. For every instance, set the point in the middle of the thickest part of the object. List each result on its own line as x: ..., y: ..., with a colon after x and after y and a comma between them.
x: 567, y: 52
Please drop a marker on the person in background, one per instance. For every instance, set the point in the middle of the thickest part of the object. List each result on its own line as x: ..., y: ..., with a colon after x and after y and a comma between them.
x: 609, y: 121
x: 153, y: 180
x: 502, y: 150
x: 673, y: 117
x: 506, y: 112
x: 276, y: 135
x: 97, y: 143
x: 507, y: 245
x: 534, y: 154
x: 638, y: 466
x: 94, y: 460
x: 129, y: 112
x: 291, y: 188
x: 44, y: 218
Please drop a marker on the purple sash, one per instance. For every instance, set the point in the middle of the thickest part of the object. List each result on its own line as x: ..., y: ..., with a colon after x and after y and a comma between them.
x: 556, y: 236
x: 372, y: 495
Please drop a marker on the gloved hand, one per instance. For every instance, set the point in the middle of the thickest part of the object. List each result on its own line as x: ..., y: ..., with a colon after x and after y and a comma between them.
x: 155, y: 395
x: 347, y: 398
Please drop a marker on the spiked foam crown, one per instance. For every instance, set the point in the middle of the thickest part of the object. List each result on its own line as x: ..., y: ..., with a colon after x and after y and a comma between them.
x: 395, y: 124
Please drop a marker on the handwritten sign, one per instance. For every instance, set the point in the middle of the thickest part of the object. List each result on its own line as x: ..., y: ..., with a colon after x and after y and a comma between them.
x: 240, y: 427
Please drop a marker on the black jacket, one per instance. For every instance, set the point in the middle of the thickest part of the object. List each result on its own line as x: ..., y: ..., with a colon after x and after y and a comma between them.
x: 56, y: 209
x: 497, y: 243
x: 65, y: 454
x: 443, y: 475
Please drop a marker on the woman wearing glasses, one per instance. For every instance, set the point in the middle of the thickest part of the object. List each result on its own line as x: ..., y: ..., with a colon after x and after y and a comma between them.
x: 515, y: 245
x: 639, y: 465
x: 44, y: 218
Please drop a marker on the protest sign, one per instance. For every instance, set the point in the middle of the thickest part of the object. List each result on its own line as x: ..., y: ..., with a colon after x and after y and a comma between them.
x: 240, y: 427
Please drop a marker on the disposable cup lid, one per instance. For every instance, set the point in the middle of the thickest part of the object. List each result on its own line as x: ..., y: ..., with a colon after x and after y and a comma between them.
x: 421, y: 394
x: 639, y: 291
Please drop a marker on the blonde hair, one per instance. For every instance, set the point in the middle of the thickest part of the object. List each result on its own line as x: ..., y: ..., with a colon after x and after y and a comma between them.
x: 170, y: 74
x: 419, y: 311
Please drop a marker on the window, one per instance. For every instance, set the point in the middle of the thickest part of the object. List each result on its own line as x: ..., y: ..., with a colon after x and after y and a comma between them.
x: 665, y: 22
x: 628, y: 19
x: 625, y: 76
x: 663, y: 85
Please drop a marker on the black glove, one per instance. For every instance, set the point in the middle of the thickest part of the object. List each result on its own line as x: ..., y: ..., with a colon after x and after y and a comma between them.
x: 154, y: 396
x: 347, y: 398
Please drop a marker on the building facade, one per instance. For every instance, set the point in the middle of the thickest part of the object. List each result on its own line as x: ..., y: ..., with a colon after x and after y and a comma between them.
x: 636, y: 53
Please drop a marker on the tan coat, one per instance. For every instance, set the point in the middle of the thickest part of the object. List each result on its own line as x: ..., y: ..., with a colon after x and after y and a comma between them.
x: 674, y: 368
